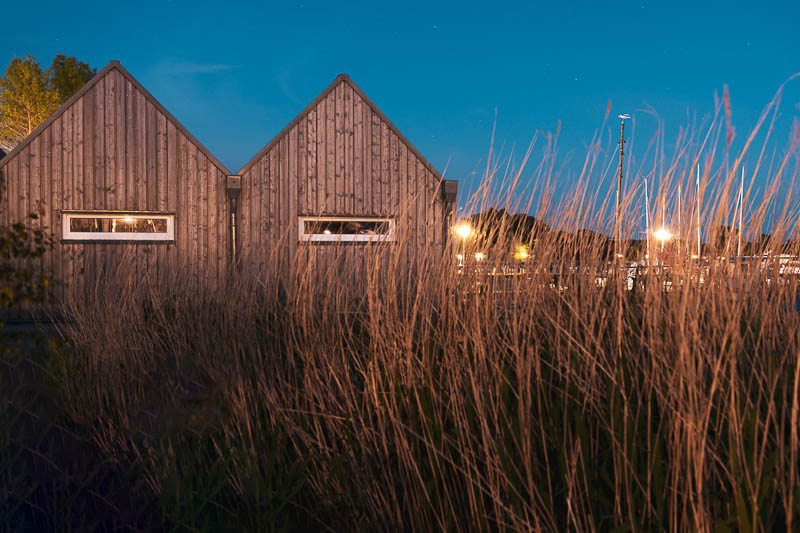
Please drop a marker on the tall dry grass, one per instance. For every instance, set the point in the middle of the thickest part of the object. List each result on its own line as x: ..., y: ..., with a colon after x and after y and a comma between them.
x: 377, y: 388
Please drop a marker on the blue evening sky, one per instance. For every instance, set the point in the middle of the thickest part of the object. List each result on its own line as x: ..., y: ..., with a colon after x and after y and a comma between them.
x: 236, y: 73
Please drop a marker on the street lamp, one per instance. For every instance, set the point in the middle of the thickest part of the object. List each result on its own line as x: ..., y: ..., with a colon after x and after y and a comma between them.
x: 663, y: 234
x: 618, y: 220
x: 464, y: 230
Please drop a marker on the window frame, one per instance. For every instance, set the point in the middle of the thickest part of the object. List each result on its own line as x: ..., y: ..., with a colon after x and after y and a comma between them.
x: 389, y: 236
x: 67, y: 235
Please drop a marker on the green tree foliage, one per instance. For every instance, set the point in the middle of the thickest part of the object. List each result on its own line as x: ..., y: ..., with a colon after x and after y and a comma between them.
x: 26, y: 100
x: 68, y: 75
x: 20, y: 246
x: 29, y: 93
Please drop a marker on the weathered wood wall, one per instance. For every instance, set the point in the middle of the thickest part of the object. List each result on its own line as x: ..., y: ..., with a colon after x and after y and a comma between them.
x: 340, y: 156
x: 114, y: 147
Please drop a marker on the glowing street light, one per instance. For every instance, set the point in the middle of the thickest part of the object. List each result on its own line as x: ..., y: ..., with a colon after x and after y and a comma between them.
x: 480, y: 256
x: 464, y: 230
x: 521, y: 253
x: 663, y: 235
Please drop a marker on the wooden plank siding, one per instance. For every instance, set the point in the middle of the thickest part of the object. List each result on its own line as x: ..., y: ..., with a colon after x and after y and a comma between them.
x: 340, y: 156
x: 114, y: 147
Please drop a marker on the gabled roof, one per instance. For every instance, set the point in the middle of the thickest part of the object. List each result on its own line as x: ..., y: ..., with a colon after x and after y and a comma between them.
x: 86, y: 88
x: 341, y: 78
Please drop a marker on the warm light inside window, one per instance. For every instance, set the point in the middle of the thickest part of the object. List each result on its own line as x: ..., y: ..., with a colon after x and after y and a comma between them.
x: 480, y: 256
x: 116, y: 226
x: 343, y: 229
x: 98, y: 224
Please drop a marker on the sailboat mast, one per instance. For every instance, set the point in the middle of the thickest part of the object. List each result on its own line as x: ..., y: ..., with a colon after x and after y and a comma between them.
x: 741, y: 210
x: 618, y: 221
x: 698, y: 211
x: 647, y: 220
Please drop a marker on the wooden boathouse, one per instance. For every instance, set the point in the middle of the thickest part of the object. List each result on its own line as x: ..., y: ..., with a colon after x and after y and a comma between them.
x: 119, y: 181
x: 343, y: 168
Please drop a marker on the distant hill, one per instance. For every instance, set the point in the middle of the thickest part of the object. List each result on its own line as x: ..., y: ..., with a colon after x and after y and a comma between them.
x: 494, y: 225
x: 725, y: 238
x: 499, y: 227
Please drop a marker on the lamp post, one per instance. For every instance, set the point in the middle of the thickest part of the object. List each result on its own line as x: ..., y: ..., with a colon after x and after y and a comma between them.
x: 618, y: 220
x: 663, y: 235
x: 464, y: 231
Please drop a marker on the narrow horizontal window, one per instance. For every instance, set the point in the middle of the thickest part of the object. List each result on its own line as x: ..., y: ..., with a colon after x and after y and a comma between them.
x: 358, y: 229
x: 117, y: 226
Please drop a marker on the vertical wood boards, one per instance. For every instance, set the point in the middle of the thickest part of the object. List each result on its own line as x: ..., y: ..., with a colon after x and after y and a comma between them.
x: 358, y: 154
x: 322, y: 167
x: 341, y: 156
x: 108, y: 139
x: 292, y: 176
x: 300, y: 161
x: 183, y: 234
x: 113, y: 147
x: 330, y: 155
x: 374, y: 188
x: 348, y: 163
x: 163, y: 184
x: 269, y: 219
x: 119, y: 143
x: 311, y: 162
x: 385, y: 198
x: 140, y: 174
x: 338, y: 150
x: 55, y: 177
